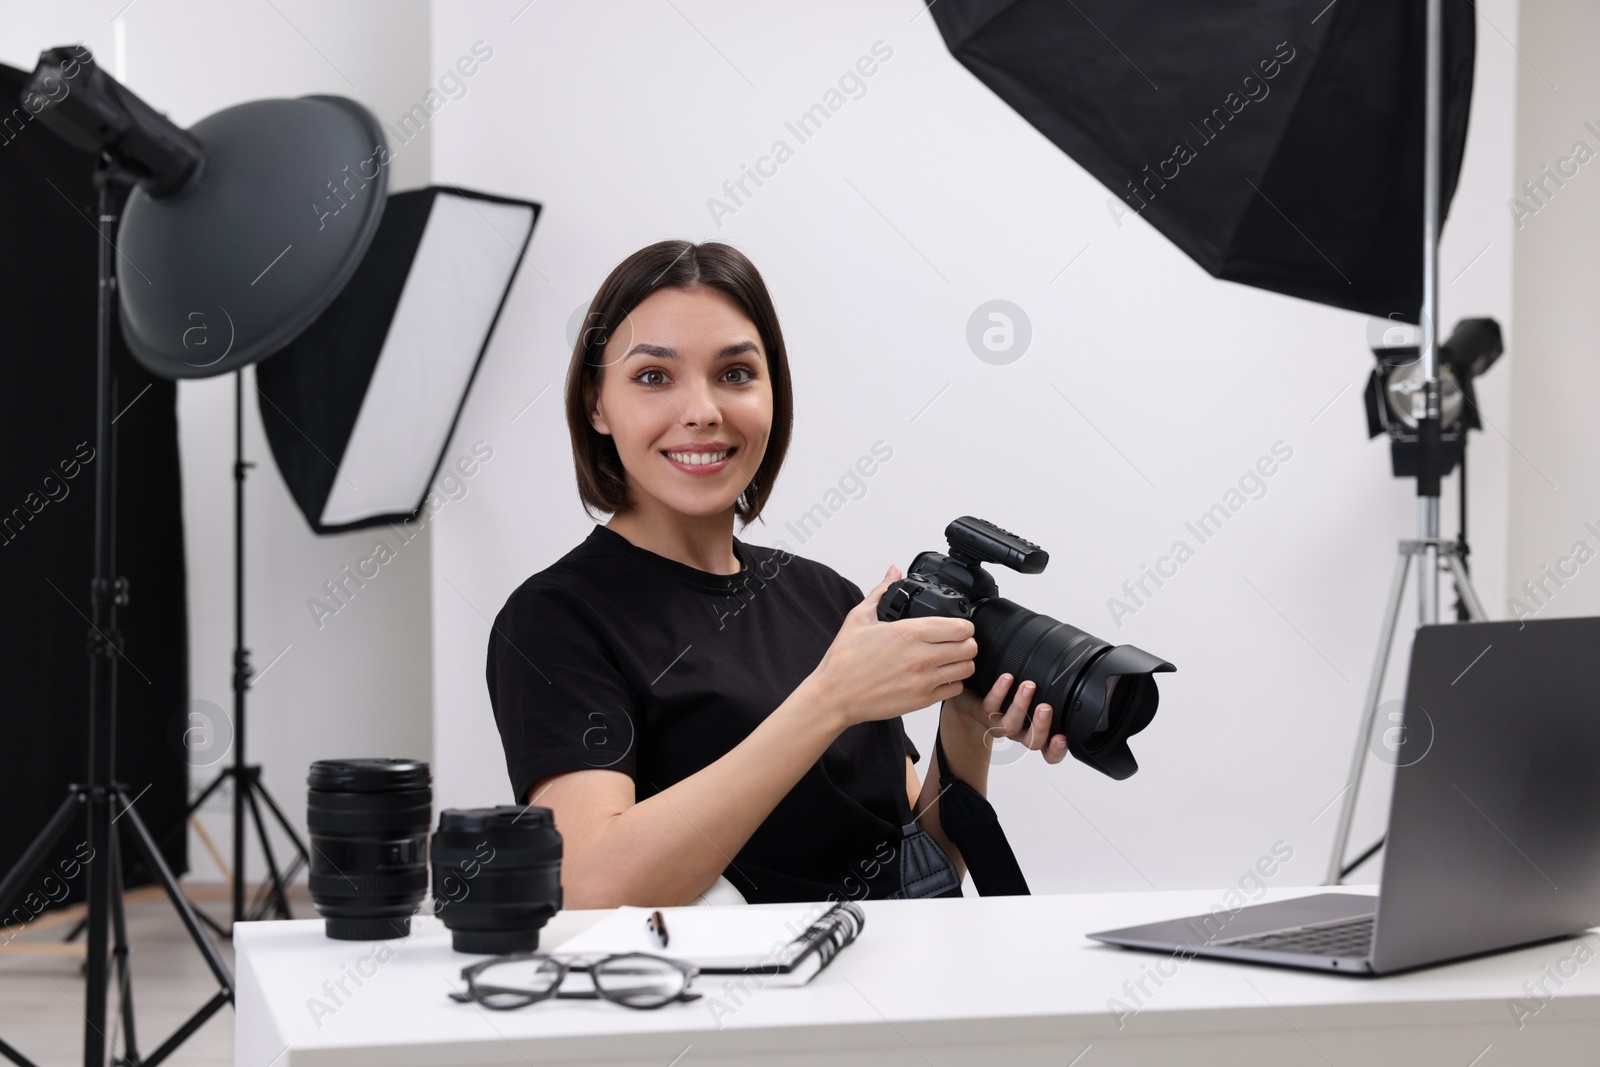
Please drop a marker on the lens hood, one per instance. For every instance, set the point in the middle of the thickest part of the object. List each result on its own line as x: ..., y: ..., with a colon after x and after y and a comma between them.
x: 1124, y: 711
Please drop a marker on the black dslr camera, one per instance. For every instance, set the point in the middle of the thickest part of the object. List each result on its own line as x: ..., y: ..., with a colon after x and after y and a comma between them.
x: 1102, y: 695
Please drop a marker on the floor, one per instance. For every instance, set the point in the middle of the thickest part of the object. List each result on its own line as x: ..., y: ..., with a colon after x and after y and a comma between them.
x: 42, y: 987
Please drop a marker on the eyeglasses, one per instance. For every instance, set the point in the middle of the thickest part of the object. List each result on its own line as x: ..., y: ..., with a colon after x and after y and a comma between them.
x: 633, y: 979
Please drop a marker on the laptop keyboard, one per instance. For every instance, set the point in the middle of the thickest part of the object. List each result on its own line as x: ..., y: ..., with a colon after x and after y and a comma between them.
x: 1347, y: 937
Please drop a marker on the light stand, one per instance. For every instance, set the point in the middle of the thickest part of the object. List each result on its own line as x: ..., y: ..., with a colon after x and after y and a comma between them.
x: 1451, y: 552
x: 246, y: 175
x: 1428, y: 427
x: 105, y: 921
x: 1428, y: 548
x: 249, y: 792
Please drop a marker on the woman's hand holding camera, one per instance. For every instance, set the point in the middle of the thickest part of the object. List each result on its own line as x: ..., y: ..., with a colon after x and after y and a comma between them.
x: 880, y: 670
x: 984, y: 712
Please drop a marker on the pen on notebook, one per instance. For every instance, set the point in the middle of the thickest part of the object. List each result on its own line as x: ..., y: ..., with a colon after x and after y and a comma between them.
x: 657, y: 926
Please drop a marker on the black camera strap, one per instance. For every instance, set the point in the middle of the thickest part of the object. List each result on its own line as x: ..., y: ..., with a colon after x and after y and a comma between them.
x: 970, y: 822
x: 925, y: 868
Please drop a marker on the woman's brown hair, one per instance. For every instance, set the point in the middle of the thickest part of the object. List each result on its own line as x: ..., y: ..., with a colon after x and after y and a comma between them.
x: 602, y: 485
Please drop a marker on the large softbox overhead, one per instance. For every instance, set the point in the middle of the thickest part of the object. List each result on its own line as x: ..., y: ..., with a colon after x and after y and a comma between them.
x: 1276, y: 142
x: 360, y: 407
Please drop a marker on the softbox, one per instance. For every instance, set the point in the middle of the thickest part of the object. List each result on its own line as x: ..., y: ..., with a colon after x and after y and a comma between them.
x: 1278, y: 143
x: 359, y: 408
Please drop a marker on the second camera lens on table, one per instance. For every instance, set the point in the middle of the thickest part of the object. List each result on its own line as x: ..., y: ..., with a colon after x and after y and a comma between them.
x: 496, y: 876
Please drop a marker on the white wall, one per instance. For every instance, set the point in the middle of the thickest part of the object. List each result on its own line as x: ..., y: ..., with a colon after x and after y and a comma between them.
x: 1555, y: 486
x: 360, y: 685
x: 914, y: 205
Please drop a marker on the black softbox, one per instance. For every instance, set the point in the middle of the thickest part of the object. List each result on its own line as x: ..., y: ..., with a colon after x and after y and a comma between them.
x: 360, y: 407
x: 1277, y: 142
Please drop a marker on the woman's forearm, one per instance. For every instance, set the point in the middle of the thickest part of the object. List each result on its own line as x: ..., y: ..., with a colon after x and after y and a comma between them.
x: 671, y: 847
x: 968, y: 747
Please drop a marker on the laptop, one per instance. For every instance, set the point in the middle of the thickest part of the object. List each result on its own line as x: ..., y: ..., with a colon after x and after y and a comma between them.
x: 1494, y: 833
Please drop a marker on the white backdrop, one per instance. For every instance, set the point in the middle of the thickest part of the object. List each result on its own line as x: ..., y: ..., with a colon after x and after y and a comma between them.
x: 1146, y: 391
x: 1555, y: 491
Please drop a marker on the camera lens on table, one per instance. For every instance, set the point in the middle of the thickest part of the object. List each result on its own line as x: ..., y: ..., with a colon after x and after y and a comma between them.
x: 368, y: 820
x: 496, y: 876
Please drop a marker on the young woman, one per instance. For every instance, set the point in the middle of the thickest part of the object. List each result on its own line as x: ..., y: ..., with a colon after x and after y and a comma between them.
x: 692, y: 707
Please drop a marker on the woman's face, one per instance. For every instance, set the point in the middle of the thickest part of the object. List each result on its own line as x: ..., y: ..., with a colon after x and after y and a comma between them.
x: 685, y: 395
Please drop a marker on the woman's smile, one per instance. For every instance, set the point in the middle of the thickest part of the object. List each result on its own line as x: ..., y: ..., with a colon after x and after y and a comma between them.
x: 700, y: 461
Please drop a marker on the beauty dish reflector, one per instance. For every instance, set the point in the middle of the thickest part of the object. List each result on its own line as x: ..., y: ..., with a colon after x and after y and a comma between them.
x: 262, y: 238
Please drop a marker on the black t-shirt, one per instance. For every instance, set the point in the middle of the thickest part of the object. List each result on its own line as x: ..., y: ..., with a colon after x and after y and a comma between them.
x: 618, y: 658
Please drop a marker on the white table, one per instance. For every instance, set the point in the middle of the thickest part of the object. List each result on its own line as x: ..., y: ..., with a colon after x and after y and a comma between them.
x: 930, y: 983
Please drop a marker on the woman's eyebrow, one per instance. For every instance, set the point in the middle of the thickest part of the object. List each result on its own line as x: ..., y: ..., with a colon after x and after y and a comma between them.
x: 662, y: 352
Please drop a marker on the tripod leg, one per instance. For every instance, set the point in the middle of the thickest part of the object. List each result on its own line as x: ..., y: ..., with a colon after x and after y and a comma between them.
x: 186, y: 912
x: 1466, y: 591
x: 1380, y: 665
x: 152, y: 856
x: 19, y: 875
x: 205, y: 794
x: 241, y: 786
x: 216, y: 927
x: 15, y: 1057
x: 119, y: 952
x: 286, y: 880
x: 1371, y: 851
x: 196, y: 1021
x: 293, y: 869
x: 97, y: 901
x: 36, y: 853
x: 278, y: 890
x: 196, y: 804
x: 283, y: 821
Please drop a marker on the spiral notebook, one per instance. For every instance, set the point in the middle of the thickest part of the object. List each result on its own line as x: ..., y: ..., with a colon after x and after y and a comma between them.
x: 786, y: 946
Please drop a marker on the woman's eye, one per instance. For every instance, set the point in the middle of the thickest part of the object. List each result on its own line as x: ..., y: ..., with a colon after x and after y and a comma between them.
x: 656, y: 376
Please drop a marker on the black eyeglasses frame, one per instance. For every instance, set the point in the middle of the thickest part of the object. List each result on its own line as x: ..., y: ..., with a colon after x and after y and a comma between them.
x: 470, y: 973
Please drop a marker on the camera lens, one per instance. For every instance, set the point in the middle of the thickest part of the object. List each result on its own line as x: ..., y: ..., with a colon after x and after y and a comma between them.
x: 1102, y: 694
x: 496, y: 876
x: 368, y: 820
